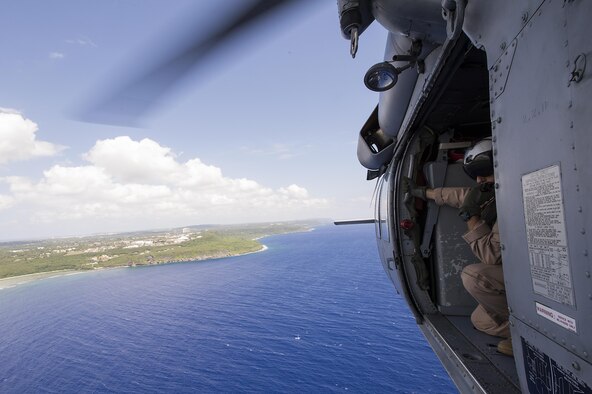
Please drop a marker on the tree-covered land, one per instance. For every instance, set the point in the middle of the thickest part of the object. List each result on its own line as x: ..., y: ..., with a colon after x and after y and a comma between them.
x: 140, y: 248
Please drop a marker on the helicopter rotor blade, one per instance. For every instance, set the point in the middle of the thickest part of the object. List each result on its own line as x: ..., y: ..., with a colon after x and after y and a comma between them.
x: 129, y: 101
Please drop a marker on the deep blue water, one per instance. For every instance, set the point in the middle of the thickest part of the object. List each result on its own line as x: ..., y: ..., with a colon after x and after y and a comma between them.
x: 313, y: 313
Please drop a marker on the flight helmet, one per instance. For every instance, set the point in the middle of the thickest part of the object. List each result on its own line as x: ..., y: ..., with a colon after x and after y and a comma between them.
x: 478, y: 159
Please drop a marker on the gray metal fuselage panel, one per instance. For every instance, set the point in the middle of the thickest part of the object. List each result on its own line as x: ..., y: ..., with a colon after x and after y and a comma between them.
x: 542, y: 144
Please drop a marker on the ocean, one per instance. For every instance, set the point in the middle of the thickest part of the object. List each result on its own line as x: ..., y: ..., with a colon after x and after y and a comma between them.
x: 314, y: 313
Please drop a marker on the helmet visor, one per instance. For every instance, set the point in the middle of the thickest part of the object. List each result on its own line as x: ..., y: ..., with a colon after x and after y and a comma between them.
x: 482, y: 165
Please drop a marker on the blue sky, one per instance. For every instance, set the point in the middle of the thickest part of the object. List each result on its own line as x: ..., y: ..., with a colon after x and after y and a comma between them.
x: 264, y: 130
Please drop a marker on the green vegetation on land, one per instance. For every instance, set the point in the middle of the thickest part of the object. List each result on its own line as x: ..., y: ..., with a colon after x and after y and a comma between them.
x: 141, y: 248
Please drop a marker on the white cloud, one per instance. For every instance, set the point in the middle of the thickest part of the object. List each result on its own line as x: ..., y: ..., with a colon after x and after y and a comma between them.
x: 278, y: 150
x: 82, y: 41
x: 141, y: 184
x: 294, y: 191
x: 18, y: 140
x: 56, y: 55
x: 6, y: 202
x: 132, y: 161
x: 9, y: 111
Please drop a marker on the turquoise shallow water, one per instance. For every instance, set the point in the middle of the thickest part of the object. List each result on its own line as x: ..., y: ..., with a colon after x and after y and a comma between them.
x: 313, y: 313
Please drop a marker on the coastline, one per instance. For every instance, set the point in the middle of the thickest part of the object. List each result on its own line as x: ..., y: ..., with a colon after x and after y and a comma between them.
x: 14, y: 281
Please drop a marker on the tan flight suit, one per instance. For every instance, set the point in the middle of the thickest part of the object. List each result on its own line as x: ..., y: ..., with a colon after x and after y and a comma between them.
x: 485, y: 280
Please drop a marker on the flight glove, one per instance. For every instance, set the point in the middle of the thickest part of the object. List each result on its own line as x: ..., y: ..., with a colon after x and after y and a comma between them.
x: 478, y: 198
x: 409, y: 186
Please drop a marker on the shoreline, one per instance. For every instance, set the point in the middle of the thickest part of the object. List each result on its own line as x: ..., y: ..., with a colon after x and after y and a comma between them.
x: 14, y: 281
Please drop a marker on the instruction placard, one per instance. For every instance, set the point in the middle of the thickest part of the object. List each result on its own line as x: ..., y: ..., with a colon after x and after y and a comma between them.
x: 545, y: 232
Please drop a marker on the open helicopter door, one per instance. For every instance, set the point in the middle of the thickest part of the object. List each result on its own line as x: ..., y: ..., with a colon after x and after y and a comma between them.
x: 420, y: 247
x: 540, y: 108
x: 431, y: 261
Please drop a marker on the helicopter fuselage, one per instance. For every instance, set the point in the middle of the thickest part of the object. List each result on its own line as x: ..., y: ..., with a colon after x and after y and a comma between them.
x: 515, y: 71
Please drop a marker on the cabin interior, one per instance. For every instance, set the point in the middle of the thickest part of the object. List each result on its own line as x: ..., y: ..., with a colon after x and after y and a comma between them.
x: 459, y: 116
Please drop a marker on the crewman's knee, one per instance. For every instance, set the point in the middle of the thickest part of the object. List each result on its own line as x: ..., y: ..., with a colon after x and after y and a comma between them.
x: 470, y: 277
x: 482, y: 321
x: 483, y: 278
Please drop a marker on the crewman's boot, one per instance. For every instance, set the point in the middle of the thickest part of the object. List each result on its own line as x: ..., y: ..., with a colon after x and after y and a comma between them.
x: 505, y: 347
